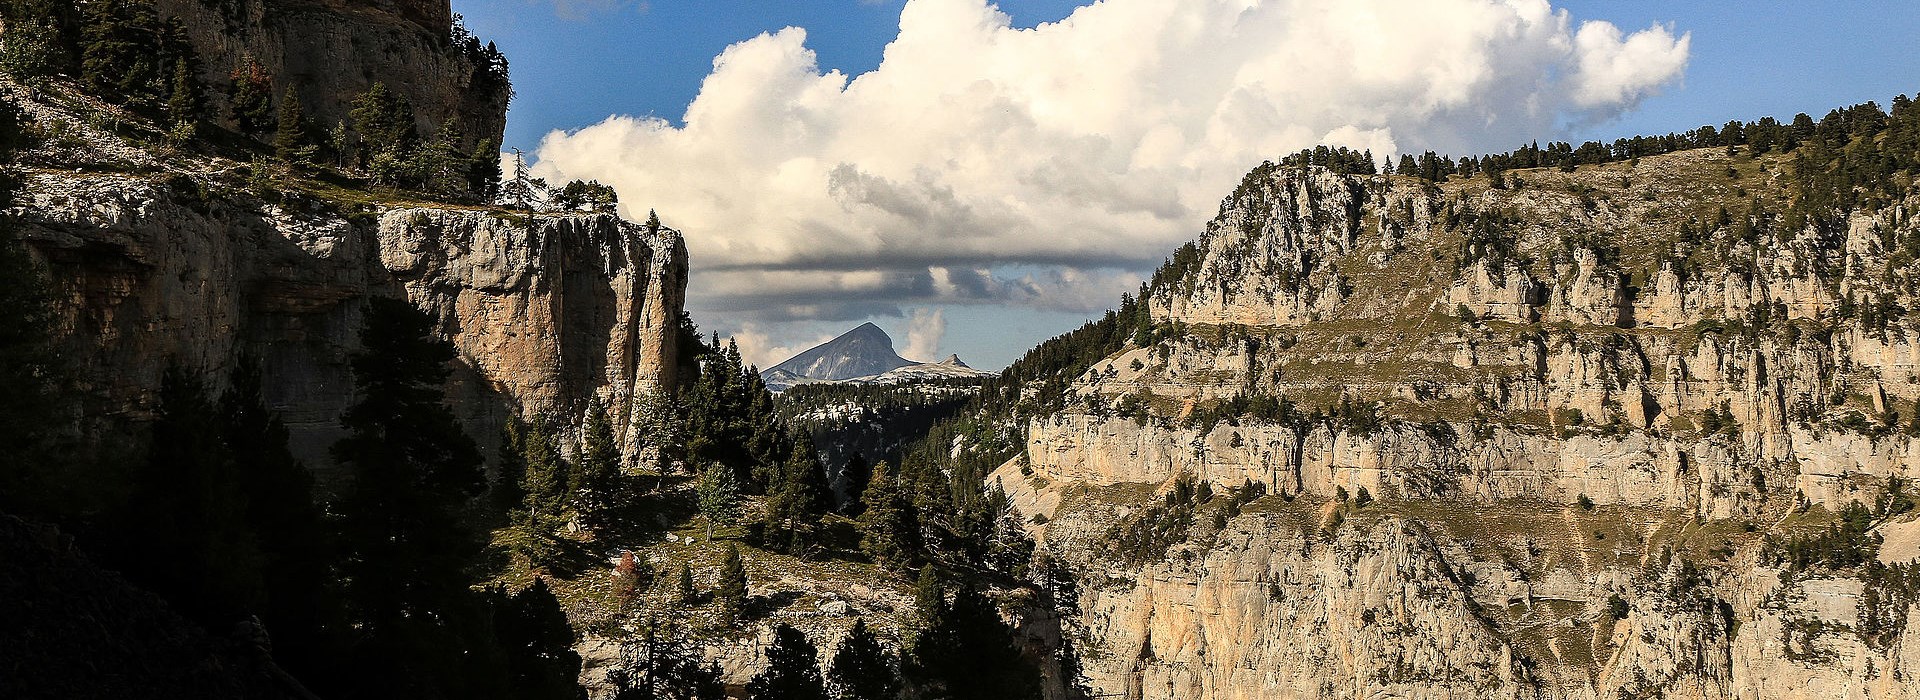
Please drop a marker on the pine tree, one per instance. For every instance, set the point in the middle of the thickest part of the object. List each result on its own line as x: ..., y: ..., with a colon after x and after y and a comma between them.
x: 412, y: 470
x: 796, y: 499
x: 862, y: 669
x: 287, y: 523
x: 683, y: 591
x: 483, y: 171
x: 292, y: 140
x: 181, y: 65
x: 120, y: 53
x: 523, y: 191
x: 932, y: 635
x: 547, y: 489
x: 538, y: 644
x: 854, y: 478
x: 661, y: 662
x: 793, y: 669
x: 250, y: 96
x: 185, y: 99
x: 971, y: 653
x: 549, y: 480
x: 388, y: 136
x: 719, y: 497
x: 730, y: 590
x: 443, y: 162
x: 31, y: 53
x: 600, y: 482
x: 183, y: 533
x: 888, y: 527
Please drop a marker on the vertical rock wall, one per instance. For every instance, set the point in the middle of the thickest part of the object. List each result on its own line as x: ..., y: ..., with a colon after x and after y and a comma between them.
x: 545, y: 311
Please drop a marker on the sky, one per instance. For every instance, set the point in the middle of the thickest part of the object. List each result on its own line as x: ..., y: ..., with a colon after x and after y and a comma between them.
x: 976, y: 178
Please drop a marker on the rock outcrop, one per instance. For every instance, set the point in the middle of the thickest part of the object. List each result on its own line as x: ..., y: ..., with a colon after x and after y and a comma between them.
x: 545, y: 310
x: 1538, y: 441
x: 331, y: 51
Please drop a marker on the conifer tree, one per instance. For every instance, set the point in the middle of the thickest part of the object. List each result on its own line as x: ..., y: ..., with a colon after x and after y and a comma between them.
x: 888, y: 526
x: 288, y: 526
x: 862, y: 669
x: 730, y: 590
x: 483, y: 170
x: 719, y: 497
x: 793, y: 669
x: 537, y: 643
x: 964, y: 651
x: 547, y: 482
x: 119, y: 53
x: 180, y: 67
x: 185, y: 98
x: 250, y: 96
x: 854, y: 478
x: 292, y: 140
x: 183, y: 533
x: 388, y: 136
x: 412, y: 469
x: 683, y: 591
x: 796, y: 499
x: 443, y: 162
x: 661, y: 662
x: 547, y: 488
x: 600, y: 481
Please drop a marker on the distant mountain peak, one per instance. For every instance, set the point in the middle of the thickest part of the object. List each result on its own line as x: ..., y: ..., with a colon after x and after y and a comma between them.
x: 954, y: 360
x: 862, y: 352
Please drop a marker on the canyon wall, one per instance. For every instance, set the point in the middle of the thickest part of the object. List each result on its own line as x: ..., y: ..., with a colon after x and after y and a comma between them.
x: 545, y: 310
x: 1469, y: 441
x: 331, y: 51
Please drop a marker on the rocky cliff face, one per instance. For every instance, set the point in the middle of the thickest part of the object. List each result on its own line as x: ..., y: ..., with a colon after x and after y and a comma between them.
x: 330, y: 51
x: 1613, y: 384
x: 546, y: 311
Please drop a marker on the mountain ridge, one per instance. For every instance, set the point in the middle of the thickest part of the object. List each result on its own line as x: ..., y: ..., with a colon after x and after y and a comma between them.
x: 864, y: 355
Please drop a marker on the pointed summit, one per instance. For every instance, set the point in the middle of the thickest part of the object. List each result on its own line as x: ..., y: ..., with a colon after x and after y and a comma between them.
x: 954, y: 361
x: 862, y: 352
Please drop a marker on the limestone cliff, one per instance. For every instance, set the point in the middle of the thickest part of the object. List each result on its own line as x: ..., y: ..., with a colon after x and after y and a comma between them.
x: 1539, y: 440
x: 200, y: 262
x: 545, y: 310
x: 330, y: 51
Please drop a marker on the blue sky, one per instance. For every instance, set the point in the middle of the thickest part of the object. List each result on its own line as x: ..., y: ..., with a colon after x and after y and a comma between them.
x: 578, y: 62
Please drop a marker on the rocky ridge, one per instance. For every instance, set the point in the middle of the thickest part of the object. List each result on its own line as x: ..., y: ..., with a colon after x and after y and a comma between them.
x: 1551, y: 426
x: 158, y: 260
x: 331, y: 51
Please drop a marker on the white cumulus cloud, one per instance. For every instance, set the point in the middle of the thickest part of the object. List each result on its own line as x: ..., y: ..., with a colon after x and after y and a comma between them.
x: 1090, y: 146
x: 925, y: 329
